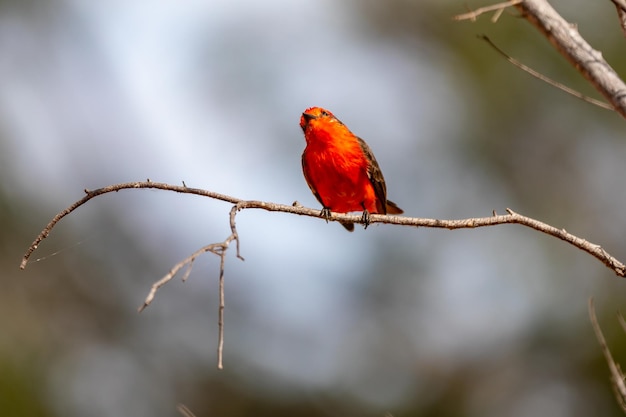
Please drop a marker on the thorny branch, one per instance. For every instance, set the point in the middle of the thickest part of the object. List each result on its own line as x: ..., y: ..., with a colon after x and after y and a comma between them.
x: 221, y: 248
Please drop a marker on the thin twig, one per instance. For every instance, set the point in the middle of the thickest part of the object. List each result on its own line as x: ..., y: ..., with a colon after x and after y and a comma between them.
x: 498, y: 8
x: 510, y: 218
x: 617, y: 377
x: 546, y: 79
x: 215, y: 248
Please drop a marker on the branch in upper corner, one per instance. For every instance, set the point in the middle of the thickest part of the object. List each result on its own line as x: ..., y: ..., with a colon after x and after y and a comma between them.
x: 617, y: 377
x: 565, y: 37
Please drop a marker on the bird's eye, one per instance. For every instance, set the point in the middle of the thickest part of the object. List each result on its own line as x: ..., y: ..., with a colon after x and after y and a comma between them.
x: 324, y: 113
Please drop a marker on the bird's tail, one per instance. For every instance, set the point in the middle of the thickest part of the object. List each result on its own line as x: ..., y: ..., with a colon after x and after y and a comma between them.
x: 349, y: 226
x: 392, y: 208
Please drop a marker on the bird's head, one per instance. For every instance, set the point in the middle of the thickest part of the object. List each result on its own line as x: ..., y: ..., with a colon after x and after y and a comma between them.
x: 314, y: 115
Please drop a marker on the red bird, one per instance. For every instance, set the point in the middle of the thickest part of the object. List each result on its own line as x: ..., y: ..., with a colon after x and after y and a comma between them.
x: 341, y: 170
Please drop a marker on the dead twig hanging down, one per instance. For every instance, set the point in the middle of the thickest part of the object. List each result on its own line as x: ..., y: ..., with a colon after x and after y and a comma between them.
x: 218, y: 249
x: 617, y: 377
x: 546, y: 79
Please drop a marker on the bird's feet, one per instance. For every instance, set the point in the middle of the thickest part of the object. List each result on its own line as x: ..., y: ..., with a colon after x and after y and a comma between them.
x: 365, y: 218
x: 325, y: 213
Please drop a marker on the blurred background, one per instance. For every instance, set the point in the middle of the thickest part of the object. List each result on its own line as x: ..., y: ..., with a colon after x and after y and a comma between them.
x: 390, y: 321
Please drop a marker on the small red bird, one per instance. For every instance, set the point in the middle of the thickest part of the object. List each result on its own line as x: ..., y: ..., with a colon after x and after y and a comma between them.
x: 341, y: 170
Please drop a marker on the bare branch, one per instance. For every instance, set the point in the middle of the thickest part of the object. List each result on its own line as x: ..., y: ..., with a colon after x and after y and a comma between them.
x: 221, y: 248
x: 510, y: 218
x: 617, y: 377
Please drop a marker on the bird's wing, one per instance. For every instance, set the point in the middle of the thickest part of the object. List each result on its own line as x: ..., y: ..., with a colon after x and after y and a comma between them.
x: 376, y: 178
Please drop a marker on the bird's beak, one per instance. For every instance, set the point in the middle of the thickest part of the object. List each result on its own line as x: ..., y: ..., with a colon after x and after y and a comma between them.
x: 308, y: 117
